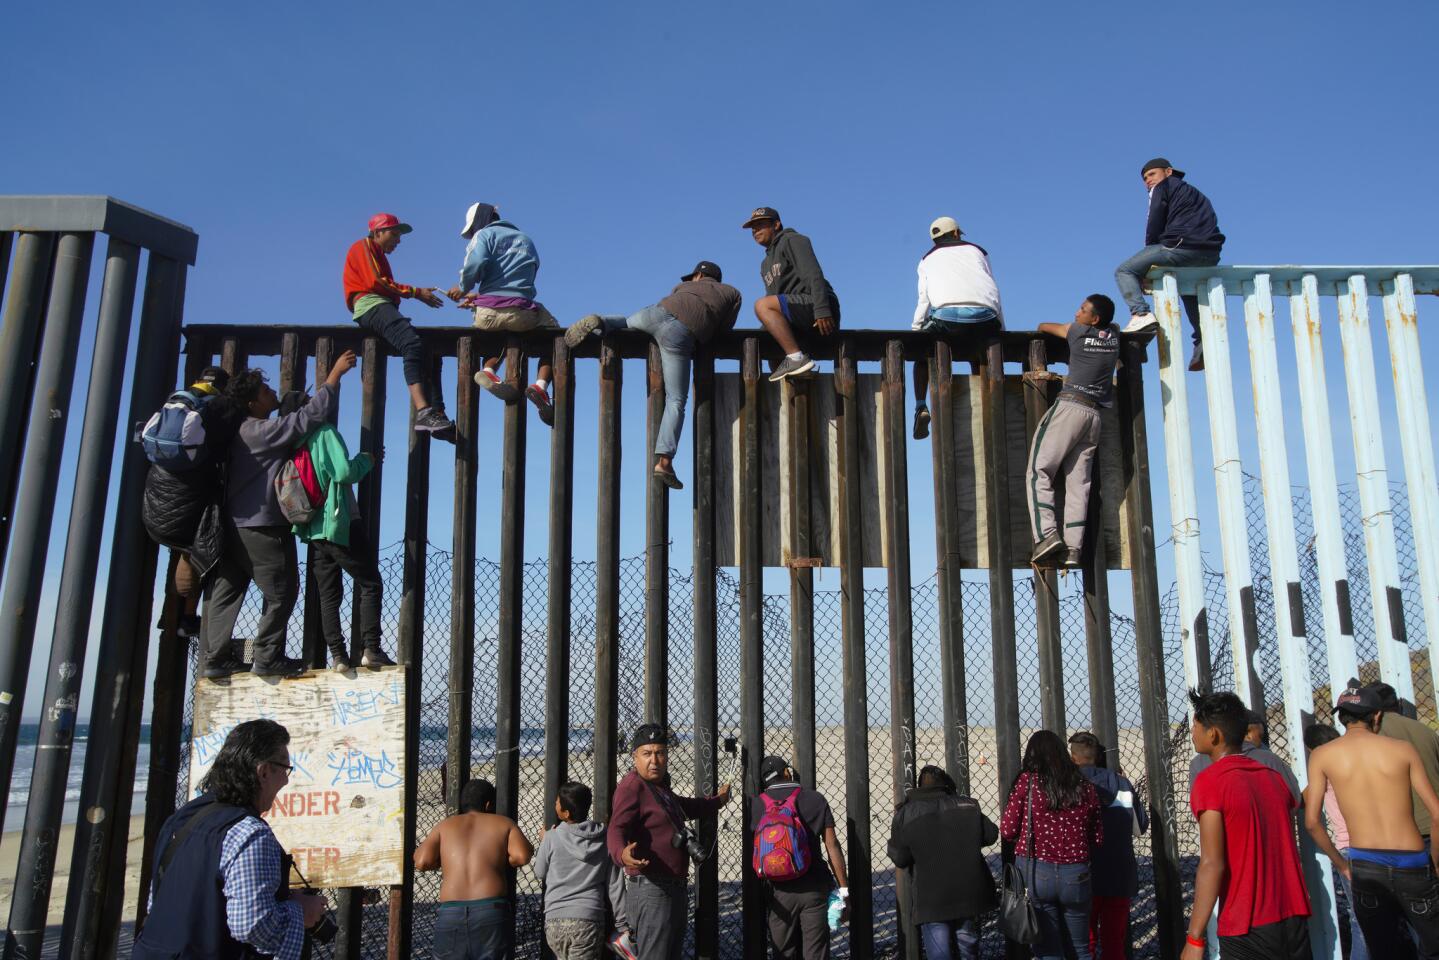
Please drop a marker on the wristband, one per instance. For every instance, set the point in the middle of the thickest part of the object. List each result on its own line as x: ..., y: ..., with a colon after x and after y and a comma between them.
x: 1193, y: 942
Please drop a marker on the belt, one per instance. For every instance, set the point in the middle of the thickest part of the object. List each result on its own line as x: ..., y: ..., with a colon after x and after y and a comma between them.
x: 1083, y: 401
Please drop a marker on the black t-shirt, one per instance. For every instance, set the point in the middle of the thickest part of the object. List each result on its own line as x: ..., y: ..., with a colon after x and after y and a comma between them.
x: 1093, y: 352
x: 814, y: 813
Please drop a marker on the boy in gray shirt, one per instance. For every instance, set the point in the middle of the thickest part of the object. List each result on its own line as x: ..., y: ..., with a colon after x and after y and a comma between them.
x: 580, y: 880
x: 1065, y: 440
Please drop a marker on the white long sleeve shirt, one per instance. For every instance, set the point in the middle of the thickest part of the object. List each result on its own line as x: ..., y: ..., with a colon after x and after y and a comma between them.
x: 955, y: 275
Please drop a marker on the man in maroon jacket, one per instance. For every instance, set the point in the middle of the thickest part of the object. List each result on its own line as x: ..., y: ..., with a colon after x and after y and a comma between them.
x: 646, y: 836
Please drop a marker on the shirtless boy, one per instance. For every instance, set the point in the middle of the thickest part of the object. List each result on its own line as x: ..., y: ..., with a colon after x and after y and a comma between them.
x: 1391, y: 872
x: 474, y: 851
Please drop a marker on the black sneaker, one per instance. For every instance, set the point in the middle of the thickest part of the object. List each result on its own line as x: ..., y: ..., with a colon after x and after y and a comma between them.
x: 921, y: 422
x: 576, y: 333
x: 1047, y: 548
x: 221, y: 669
x: 340, y: 661
x: 1071, y: 559
x: 374, y: 658
x: 281, y: 667
x: 433, y: 420
x: 791, y: 367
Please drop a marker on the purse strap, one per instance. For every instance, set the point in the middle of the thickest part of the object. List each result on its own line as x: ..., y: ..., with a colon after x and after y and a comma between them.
x: 1029, y: 825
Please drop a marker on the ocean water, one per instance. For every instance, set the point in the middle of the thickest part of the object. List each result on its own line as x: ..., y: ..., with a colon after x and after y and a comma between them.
x: 25, y: 763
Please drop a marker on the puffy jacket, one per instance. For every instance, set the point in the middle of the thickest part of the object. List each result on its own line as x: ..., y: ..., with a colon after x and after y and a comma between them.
x: 182, y: 511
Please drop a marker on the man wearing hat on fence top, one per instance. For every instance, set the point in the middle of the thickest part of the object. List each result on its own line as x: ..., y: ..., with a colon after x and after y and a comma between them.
x: 957, y: 295
x: 696, y: 310
x: 799, y: 907
x: 799, y: 299
x: 1388, y: 861
x: 1182, y: 231
x: 373, y: 297
x: 646, y: 836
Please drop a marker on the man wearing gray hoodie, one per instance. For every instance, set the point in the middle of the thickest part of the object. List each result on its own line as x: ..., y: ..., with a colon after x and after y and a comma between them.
x: 580, y: 879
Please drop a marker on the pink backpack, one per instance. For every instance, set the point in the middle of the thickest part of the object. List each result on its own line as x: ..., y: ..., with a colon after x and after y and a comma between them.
x: 781, y: 841
x: 298, y: 489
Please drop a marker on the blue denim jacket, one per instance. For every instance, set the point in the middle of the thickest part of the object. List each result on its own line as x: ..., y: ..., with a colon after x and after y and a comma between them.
x: 500, y: 261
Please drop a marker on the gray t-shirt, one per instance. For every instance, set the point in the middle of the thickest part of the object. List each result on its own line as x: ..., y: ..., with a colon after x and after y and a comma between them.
x: 1093, y: 352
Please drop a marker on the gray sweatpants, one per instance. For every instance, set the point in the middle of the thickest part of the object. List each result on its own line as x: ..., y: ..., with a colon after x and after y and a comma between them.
x: 1064, y: 444
x: 658, y: 913
x: 265, y: 555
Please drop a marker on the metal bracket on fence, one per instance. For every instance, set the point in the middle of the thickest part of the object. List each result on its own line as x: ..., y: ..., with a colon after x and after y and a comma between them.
x: 795, y: 563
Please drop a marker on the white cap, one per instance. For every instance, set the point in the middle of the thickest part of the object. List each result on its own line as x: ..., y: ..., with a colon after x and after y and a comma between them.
x: 472, y: 221
x: 942, y: 226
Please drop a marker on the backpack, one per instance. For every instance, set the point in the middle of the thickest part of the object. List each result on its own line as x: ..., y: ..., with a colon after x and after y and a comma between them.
x: 174, y: 438
x: 781, y: 841
x: 298, y: 489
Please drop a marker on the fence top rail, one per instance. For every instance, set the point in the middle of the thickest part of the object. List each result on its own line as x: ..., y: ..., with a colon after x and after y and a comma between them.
x: 107, y: 215
x: 1287, y: 278
x: 266, y: 340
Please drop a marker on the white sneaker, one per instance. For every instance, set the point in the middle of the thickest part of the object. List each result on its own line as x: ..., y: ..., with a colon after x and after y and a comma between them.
x: 1141, y: 322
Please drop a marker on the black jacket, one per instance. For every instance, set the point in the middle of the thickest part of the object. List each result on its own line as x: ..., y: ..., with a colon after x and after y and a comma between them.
x: 789, y: 266
x: 942, y: 837
x: 1181, y: 216
x: 1113, y: 870
x: 183, y: 510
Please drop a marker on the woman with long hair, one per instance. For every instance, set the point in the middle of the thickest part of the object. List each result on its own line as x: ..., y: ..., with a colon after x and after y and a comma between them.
x: 1052, y: 816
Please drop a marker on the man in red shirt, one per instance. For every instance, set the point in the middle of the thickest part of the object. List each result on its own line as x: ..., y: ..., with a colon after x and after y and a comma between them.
x: 1248, y: 861
x: 373, y: 297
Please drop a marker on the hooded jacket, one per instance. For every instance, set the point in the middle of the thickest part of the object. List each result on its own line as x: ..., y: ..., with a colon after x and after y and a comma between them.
x: 941, y: 836
x: 789, y: 266
x: 1113, y: 870
x: 1181, y: 216
x: 500, y: 261
x: 574, y: 865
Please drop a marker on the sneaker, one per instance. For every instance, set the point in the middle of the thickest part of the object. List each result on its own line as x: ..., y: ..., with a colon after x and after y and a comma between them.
x: 622, y: 944
x: 791, y: 367
x: 374, y: 658
x: 1071, y: 559
x: 921, y: 422
x: 340, y: 661
x: 280, y: 667
x: 580, y: 329
x: 1047, y: 548
x: 1141, y: 322
x: 668, y: 478
x: 497, y: 388
x: 540, y: 397
x: 433, y: 420
x: 1196, y: 363
x: 220, y: 669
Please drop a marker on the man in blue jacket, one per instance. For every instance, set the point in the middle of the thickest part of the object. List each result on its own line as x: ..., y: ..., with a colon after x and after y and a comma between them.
x: 1114, y: 873
x: 1182, y: 231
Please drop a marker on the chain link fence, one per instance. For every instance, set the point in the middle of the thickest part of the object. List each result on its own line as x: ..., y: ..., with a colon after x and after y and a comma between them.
x: 830, y: 773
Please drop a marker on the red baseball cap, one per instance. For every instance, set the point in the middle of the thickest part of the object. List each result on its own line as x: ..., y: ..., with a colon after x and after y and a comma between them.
x: 388, y: 221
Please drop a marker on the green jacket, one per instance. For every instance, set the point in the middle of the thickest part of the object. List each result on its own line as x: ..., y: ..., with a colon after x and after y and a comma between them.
x: 336, y: 471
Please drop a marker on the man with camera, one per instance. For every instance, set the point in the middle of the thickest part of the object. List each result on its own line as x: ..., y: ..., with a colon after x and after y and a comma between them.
x: 220, y: 874
x: 647, y: 836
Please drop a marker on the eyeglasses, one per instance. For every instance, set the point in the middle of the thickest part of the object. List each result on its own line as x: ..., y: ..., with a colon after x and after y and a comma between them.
x: 289, y: 768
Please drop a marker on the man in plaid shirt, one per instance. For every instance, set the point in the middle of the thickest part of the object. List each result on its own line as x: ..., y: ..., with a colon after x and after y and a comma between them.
x: 219, y: 887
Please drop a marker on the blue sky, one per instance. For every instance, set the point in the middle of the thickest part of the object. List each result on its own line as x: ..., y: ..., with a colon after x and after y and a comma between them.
x: 631, y: 140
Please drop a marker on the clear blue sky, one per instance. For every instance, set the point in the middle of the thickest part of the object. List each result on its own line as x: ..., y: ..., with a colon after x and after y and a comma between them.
x: 630, y: 140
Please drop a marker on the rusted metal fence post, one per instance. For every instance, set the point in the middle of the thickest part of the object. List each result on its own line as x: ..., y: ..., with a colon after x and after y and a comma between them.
x: 706, y: 688
x: 512, y: 592
x: 461, y: 681
x: 607, y: 583
x: 901, y: 617
x: 949, y: 571
x: 557, y: 637
x: 657, y: 554
x: 751, y: 628
x: 856, y: 706
x: 1038, y: 398
x: 801, y: 582
x: 1001, y: 566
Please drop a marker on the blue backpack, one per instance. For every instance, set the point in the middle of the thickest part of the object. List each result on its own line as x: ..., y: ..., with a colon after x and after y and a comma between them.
x: 174, y: 438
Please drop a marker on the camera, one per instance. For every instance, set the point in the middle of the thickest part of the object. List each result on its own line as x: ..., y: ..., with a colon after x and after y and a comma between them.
x: 687, y: 840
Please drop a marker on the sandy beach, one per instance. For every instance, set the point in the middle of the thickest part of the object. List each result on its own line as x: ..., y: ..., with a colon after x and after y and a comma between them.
x: 10, y: 856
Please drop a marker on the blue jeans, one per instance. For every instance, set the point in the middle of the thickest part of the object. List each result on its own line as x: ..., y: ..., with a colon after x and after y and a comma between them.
x: 473, y: 929
x: 1061, y: 895
x: 1130, y: 274
x: 957, y: 319
x: 950, y: 939
x: 1358, y: 950
x: 677, y: 349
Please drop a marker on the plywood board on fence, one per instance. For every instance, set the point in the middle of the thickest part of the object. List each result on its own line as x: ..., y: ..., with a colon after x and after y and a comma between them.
x: 777, y: 433
x: 970, y: 459
x: 341, y: 814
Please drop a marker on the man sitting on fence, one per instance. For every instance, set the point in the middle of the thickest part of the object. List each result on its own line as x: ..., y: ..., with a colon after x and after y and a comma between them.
x: 648, y: 838
x: 1068, y: 435
x: 798, y: 884
x: 1388, y: 863
x: 1248, y: 860
x: 798, y: 299
x: 259, y: 544
x: 958, y: 296
x: 497, y: 279
x: 474, y: 850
